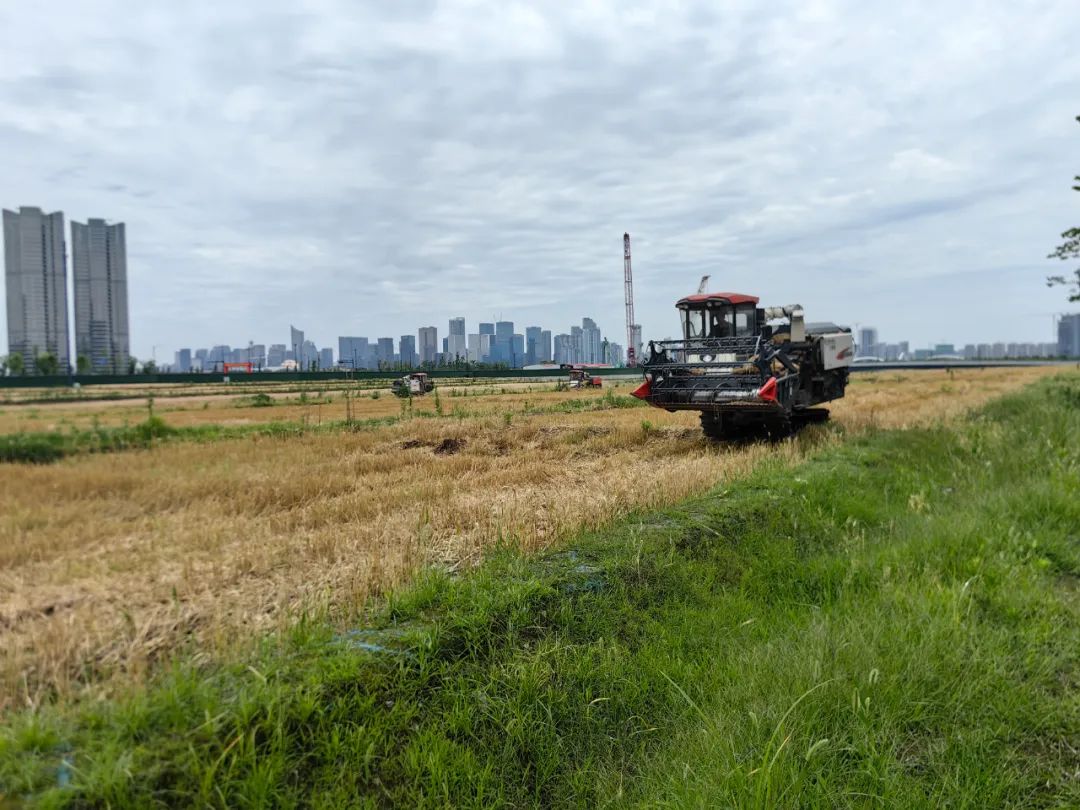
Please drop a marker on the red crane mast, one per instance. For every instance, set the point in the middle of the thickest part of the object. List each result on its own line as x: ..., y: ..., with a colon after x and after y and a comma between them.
x: 628, y: 282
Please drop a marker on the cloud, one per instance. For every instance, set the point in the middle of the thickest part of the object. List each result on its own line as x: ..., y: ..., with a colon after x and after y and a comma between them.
x: 370, y: 168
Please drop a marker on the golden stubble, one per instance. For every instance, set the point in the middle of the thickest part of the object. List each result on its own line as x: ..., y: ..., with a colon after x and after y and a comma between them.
x: 109, y: 563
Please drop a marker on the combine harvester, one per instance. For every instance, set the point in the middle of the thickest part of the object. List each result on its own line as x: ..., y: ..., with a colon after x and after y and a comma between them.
x: 750, y: 371
x: 412, y: 385
x: 580, y: 377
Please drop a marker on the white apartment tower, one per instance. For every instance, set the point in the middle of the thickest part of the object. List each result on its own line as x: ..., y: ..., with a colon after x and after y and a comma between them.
x: 99, y: 271
x: 35, y: 276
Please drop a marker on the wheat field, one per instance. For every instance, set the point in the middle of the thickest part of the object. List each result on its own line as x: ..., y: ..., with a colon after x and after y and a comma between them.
x: 111, y: 563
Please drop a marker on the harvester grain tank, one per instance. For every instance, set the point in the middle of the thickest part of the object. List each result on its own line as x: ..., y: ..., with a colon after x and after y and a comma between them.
x: 747, y: 369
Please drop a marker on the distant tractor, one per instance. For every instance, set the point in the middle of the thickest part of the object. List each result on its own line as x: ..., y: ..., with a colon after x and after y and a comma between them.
x: 415, y: 384
x: 748, y: 370
x: 581, y: 378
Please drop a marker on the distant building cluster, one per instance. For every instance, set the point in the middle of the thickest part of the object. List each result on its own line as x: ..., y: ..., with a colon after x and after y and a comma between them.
x: 494, y: 344
x: 869, y: 349
x: 36, y: 286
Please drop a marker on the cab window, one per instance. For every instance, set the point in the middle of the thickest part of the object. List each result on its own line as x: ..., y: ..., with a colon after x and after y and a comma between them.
x: 693, y: 323
x: 745, y: 318
x: 721, y: 323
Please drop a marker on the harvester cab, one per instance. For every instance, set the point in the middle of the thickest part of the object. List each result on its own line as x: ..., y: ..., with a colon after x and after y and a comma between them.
x: 746, y: 368
x: 412, y: 385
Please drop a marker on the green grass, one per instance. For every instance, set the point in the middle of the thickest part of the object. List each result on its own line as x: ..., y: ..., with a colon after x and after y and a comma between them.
x: 42, y: 447
x: 894, y: 623
x: 608, y: 401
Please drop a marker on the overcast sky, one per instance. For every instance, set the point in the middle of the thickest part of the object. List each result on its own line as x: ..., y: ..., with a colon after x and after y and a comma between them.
x: 367, y: 168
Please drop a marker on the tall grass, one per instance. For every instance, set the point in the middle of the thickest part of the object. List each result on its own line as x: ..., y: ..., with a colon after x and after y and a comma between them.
x: 891, y: 623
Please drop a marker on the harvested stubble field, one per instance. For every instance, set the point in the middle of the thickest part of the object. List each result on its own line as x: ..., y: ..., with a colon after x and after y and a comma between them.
x: 110, y: 562
x: 185, y: 406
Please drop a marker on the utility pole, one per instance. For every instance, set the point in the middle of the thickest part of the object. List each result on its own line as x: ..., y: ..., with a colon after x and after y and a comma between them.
x: 628, y: 284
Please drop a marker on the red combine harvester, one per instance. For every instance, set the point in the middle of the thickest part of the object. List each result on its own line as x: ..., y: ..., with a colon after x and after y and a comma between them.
x: 748, y: 370
x: 580, y: 377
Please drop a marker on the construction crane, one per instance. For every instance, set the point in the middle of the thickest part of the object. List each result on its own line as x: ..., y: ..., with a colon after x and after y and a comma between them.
x: 628, y: 281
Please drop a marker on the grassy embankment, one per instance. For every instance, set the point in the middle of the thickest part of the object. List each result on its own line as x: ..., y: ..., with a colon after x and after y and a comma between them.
x: 894, y: 622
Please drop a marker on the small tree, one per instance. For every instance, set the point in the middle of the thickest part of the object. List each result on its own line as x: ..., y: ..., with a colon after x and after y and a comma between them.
x: 131, y: 364
x: 82, y: 364
x: 1069, y: 250
x: 149, y: 367
x: 16, y: 364
x: 47, y: 364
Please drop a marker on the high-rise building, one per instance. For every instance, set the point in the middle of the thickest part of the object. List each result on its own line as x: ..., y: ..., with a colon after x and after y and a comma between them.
x: 309, y: 355
x: 326, y: 358
x: 576, y: 344
x: 532, y: 344
x: 487, y: 329
x: 407, y: 351
x: 429, y: 344
x: 353, y: 352
x: 218, y: 355
x: 614, y: 354
x: 99, y: 270
x: 35, y: 275
x: 517, y: 351
x: 590, y: 342
x: 297, y: 345
x: 456, y: 345
x: 867, y: 339
x: 502, y: 349
x: 473, y: 347
x: 562, y: 353
x: 183, y: 361
x: 544, y: 352
x: 384, y: 353
x: 275, y: 356
x: 256, y: 355
x: 1068, y: 342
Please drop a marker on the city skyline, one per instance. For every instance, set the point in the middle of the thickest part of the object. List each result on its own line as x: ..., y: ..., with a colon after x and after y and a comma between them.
x: 570, y: 347
x: 494, y: 343
x: 282, y: 167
